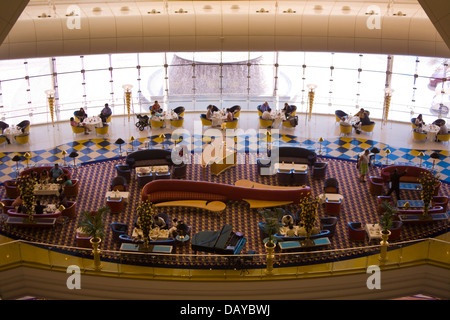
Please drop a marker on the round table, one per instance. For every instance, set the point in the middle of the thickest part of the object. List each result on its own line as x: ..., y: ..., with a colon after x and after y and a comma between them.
x: 432, y: 131
x: 92, y: 122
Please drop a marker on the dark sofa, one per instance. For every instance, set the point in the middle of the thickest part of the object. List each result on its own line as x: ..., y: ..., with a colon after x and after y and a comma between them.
x: 149, y: 157
x: 296, y: 155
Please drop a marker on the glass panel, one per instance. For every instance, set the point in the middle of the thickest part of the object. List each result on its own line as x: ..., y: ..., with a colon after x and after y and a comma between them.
x: 98, y: 91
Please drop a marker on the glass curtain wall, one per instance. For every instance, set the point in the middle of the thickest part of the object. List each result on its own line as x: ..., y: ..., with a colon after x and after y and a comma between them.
x: 345, y: 81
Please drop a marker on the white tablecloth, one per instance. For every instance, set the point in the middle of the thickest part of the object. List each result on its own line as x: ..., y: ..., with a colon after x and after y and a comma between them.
x: 431, y: 130
x: 278, y: 117
x: 11, y: 132
x: 217, y: 118
x: 92, y: 122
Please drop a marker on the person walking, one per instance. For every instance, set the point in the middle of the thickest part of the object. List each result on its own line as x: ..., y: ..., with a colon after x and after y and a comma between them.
x: 364, y: 165
x: 395, y: 183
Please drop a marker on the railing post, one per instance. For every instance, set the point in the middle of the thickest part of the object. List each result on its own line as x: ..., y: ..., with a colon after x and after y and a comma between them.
x: 384, y: 245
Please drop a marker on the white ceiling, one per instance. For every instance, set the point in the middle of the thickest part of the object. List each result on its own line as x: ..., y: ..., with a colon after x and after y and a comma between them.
x: 126, y: 26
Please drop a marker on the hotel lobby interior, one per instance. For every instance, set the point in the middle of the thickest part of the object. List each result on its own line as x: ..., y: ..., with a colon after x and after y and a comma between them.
x: 387, y: 57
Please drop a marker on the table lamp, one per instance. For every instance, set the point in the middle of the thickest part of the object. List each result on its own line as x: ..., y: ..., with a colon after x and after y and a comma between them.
x: 73, y: 155
x: 387, y: 155
x: 421, y: 154
x: 120, y: 142
x: 17, y: 159
x: 320, y: 141
x: 64, y: 153
x: 132, y: 144
x: 27, y: 157
x: 434, y: 156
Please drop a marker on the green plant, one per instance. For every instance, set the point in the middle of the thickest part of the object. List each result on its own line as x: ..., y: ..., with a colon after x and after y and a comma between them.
x: 145, y: 212
x: 387, y: 216
x: 272, y: 221
x: 92, y: 223
x: 26, y: 185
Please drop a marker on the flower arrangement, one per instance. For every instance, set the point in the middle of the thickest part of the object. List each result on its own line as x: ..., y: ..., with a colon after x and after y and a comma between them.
x: 26, y: 185
x: 145, y: 212
x: 308, y: 214
x: 429, y: 183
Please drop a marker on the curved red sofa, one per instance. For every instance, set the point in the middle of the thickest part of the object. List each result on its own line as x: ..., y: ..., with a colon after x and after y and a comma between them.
x: 38, y: 170
x: 171, y: 190
x: 411, y: 176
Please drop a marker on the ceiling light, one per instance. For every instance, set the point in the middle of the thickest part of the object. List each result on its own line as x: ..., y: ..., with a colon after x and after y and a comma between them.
x: 318, y: 8
x: 371, y: 13
x: 289, y: 11
x: 207, y: 7
x: 399, y: 14
x: 153, y: 11
x: 44, y: 15
x: 180, y: 11
x: 262, y: 10
x: 97, y: 10
x: 235, y: 7
x: 125, y: 9
x: 346, y: 9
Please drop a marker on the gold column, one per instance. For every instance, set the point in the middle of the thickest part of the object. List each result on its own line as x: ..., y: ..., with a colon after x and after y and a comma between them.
x: 387, y: 103
x: 127, y: 88
x: 51, y: 103
x: 311, y: 93
x: 270, y: 248
x: 383, y: 246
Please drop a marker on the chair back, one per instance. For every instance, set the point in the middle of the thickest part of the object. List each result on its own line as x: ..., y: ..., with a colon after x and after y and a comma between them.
x: 443, y: 137
x: 3, y: 126
x: 179, y: 111
x: 345, y: 129
x: 260, y: 113
x: 77, y: 130
x: 23, y: 139
x: 102, y: 130
x: 413, y: 123
x: 265, y: 123
x: 156, y: 124
x: 70, y: 212
x: 205, y: 122
x: 368, y: 127
x: 419, y: 136
x: 287, y: 124
x: 25, y: 124
x: 2, y: 139
x: 115, y: 205
x: 231, y: 124
x: 177, y: 123
x: 72, y: 190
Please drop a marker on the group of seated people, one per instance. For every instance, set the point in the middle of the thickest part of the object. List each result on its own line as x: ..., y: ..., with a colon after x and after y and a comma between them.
x: 81, y: 115
x: 288, y: 222
x: 364, y: 120
x: 178, y: 228
x: 39, y: 208
x: 229, y: 113
x: 54, y: 175
x: 266, y: 110
x: 420, y: 123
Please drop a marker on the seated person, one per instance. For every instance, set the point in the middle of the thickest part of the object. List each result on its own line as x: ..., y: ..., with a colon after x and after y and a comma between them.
x: 155, y: 108
x: 363, y: 117
x: 209, y: 112
x: 105, y: 113
x: 173, y: 231
x: 419, y: 121
x: 287, y: 110
x: 159, y: 222
x: 182, y: 228
x: 44, y: 178
x: 264, y: 107
x: 39, y: 208
x: 443, y: 129
x: 55, y: 173
x: 62, y: 200
x: 266, y: 114
x: 66, y: 181
x: 74, y: 123
x: 287, y: 220
x: 81, y: 114
x: 230, y: 115
x: 344, y: 122
x: 290, y: 231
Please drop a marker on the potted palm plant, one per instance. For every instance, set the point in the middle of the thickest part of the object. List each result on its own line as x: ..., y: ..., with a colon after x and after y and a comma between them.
x: 272, y: 224
x: 387, y: 217
x: 92, y: 224
x: 26, y: 185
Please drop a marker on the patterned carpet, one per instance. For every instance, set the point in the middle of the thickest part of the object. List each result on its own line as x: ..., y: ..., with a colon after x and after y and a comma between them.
x: 95, y: 176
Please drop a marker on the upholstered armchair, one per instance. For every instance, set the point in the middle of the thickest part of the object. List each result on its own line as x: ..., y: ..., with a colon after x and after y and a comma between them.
x: 70, y: 212
x: 329, y: 223
x: 119, y: 183
x: 284, y: 178
x: 72, y: 190
x: 300, y: 178
x: 11, y: 189
x: 376, y: 185
x: 440, y: 201
x: 331, y: 185
x: 179, y: 171
x: 124, y: 170
x: 83, y: 241
x: 118, y: 229
x: 7, y: 205
x: 333, y: 208
x: 396, y: 229
x: 356, y: 232
x: 159, y: 175
x: 144, y: 179
x: 380, y: 200
x: 115, y: 205
x: 320, y: 170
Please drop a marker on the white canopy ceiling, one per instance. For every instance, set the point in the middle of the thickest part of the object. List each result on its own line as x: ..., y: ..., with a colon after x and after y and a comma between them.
x: 49, y: 28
